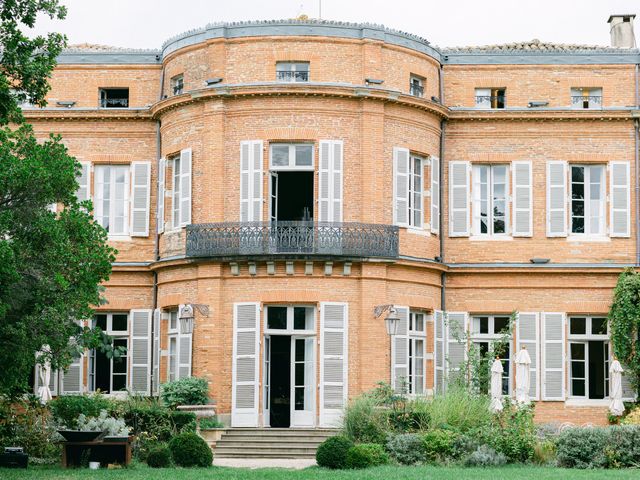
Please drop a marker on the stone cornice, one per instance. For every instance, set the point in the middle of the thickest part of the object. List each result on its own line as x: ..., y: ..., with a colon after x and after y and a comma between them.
x: 527, y: 114
x: 83, y: 114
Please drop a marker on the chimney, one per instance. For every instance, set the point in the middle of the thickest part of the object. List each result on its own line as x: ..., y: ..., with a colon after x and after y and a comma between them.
x: 622, y: 35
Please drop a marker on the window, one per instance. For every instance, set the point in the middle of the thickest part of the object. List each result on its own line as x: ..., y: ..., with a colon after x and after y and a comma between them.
x: 587, y: 199
x: 114, y: 97
x: 290, y: 319
x: 417, y: 337
x: 111, y: 209
x: 416, y: 86
x: 175, y: 213
x: 110, y: 374
x: 588, y: 98
x: 491, y: 98
x: 589, y: 357
x: 285, y: 156
x: 177, y: 84
x: 490, y: 185
x: 485, y: 331
x: 416, y: 180
x: 292, y: 71
x: 172, y: 370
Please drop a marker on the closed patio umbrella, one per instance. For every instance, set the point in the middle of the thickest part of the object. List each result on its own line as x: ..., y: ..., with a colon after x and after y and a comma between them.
x: 496, y: 386
x: 523, y: 376
x: 44, y: 393
x: 616, y: 407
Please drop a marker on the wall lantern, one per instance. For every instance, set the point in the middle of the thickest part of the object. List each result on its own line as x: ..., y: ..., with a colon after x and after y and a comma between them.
x: 186, y: 317
x: 391, y: 321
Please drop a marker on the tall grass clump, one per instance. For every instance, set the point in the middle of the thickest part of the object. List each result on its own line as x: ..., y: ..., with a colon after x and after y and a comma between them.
x: 459, y: 409
x: 365, y: 420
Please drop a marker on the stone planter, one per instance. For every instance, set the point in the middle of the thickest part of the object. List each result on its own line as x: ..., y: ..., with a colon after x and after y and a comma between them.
x: 200, y: 411
x: 212, y: 435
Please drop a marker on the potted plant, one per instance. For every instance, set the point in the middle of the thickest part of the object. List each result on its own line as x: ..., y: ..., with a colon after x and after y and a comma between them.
x: 113, y: 429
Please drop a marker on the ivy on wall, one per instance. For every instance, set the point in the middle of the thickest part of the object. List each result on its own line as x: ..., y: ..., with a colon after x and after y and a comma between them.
x: 624, y: 323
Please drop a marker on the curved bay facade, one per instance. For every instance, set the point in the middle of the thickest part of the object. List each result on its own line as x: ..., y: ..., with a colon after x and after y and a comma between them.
x: 292, y: 181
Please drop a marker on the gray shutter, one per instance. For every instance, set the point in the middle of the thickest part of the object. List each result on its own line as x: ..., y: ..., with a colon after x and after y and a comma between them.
x: 458, y: 199
x: 401, y: 186
x: 400, y: 351
x: 156, y: 351
x: 435, y: 195
x: 628, y: 393
x: 527, y: 334
x: 162, y: 166
x: 330, y: 181
x: 556, y: 199
x: 185, y: 187
x: 140, y: 190
x: 246, y: 328
x: 620, y: 199
x: 140, y: 351
x: 72, y: 379
x: 185, y: 341
x: 522, y: 199
x: 334, y: 331
x: 84, y: 182
x: 251, y: 162
x: 553, y: 356
x: 439, y: 360
x: 457, y: 326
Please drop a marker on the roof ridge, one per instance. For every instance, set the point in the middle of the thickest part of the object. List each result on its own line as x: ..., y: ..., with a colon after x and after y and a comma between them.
x: 535, y: 45
x: 96, y: 47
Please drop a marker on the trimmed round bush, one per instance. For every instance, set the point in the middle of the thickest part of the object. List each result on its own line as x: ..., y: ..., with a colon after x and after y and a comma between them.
x: 190, y: 450
x: 406, y: 448
x: 159, y: 457
x: 366, y: 455
x: 485, y: 456
x: 332, y: 453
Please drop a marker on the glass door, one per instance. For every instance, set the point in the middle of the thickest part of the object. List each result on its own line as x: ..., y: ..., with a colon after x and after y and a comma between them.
x: 579, y: 379
x: 267, y: 378
x: 303, y: 382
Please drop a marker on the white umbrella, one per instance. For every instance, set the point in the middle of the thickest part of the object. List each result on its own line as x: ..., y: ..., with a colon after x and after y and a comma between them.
x: 44, y: 393
x: 616, y: 407
x: 523, y: 376
x: 496, y: 386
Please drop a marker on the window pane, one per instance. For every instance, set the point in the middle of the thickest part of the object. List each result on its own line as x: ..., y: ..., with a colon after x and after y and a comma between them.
x: 299, y: 400
x: 577, y: 351
x: 484, y: 324
x: 299, y: 318
x: 577, y: 174
x: 277, y: 318
x: 120, y: 365
x: 419, y: 322
x: 280, y: 155
x: 101, y: 321
x: 577, y: 369
x: 599, y: 326
x: 119, y: 321
x: 577, y: 225
x: 299, y: 373
x: 500, y: 324
x: 304, y: 155
x: 578, y: 326
x: 173, y: 320
x: 577, y: 388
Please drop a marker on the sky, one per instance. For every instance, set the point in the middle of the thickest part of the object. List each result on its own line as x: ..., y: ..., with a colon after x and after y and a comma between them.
x: 148, y: 23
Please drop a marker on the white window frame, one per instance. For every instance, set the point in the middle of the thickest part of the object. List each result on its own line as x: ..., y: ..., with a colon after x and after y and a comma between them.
x: 490, y: 338
x: 587, y: 201
x: 415, y: 80
x: 416, y: 335
x: 173, y: 334
x: 290, y: 330
x: 477, y: 200
x: 174, y: 84
x: 291, y: 166
x: 175, y: 192
x: 416, y: 196
x: 293, y: 66
x: 584, y: 338
x: 116, y: 335
x: 99, y: 198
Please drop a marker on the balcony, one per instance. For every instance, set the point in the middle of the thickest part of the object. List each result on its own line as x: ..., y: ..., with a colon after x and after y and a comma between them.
x: 290, y: 76
x: 586, y: 101
x: 416, y: 90
x: 299, y: 239
x: 490, y: 101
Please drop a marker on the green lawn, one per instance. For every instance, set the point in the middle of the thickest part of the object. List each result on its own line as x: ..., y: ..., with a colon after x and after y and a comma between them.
x: 379, y: 473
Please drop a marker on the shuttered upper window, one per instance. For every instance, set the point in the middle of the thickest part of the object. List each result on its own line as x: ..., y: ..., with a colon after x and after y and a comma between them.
x: 490, y: 199
x: 111, y: 208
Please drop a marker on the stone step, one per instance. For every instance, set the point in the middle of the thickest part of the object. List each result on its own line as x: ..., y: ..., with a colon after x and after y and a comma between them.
x: 259, y: 442
x: 245, y: 455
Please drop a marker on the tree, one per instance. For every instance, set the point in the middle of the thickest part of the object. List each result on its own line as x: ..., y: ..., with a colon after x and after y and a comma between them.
x: 624, y: 324
x: 51, y: 264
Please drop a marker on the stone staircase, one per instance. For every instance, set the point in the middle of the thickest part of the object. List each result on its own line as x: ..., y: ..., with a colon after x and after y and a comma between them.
x: 291, y: 443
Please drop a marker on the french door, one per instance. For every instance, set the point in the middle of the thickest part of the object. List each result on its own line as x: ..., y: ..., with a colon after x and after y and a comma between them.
x: 303, y: 381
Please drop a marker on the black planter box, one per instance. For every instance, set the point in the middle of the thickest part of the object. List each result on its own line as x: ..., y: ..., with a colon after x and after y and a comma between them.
x: 14, y: 460
x: 80, y: 435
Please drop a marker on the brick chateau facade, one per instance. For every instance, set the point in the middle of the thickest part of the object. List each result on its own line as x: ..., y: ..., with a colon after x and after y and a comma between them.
x: 287, y: 180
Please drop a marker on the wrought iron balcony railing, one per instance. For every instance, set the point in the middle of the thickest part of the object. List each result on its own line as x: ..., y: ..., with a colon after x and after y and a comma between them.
x: 491, y: 101
x: 289, y: 76
x: 588, y: 101
x: 416, y: 90
x: 230, y: 239
x: 114, y: 103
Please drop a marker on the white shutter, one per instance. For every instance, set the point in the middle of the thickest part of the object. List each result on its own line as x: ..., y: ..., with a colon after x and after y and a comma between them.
x: 251, y: 161
x: 528, y: 334
x: 156, y: 351
x: 628, y: 393
x: 553, y: 356
x: 140, y: 351
x: 459, y: 199
x: 556, y: 199
x: 334, y: 331
x: 330, y: 181
x: 435, y: 195
x: 84, y: 182
x: 72, y: 379
x: 401, y: 186
x: 620, y: 199
x: 522, y: 199
x: 246, y: 328
x: 456, y: 335
x: 162, y: 166
x: 140, y: 190
x: 185, y: 187
x: 439, y: 361
x: 185, y: 345
x: 400, y: 352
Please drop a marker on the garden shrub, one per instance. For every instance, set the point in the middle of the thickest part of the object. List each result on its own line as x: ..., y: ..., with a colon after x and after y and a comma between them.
x: 464, y: 444
x: 190, y: 450
x: 406, y: 448
x: 67, y: 408
x: 366, y: 455
x: 439, y: 445
x: 332, y: 453
x: 185, y: 391
x: 485, y: 456
x: 409, y: 415
x: 210, y: 422
x: 544, y: 453
x: 582, y: 448
x: 623, y: 446
x: 632, y: 418
x: 460, y: 410
x: 159, y: 457
x: 512, y: 433
x: 104, y: 423
x: 364, y: 421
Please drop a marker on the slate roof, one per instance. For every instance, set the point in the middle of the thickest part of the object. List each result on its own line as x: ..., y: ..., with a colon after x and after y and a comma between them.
x: 534, y: 46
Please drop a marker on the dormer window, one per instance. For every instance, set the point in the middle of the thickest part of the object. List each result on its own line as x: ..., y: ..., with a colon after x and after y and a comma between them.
x: 491, y: 98
x: 292, y: 71
x: 177, y: 84
x: 114, y: 98
x: 416, y: 86
x: 587, y: 98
